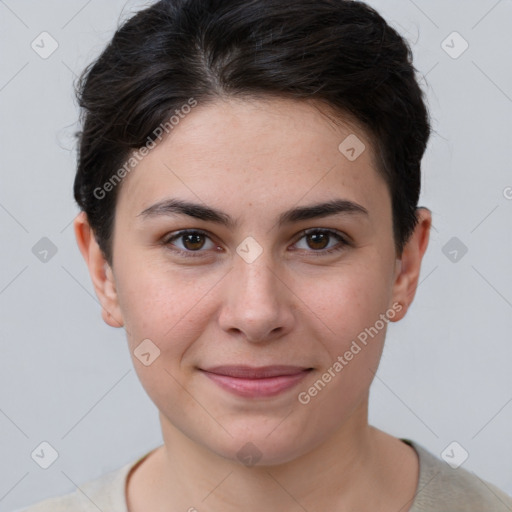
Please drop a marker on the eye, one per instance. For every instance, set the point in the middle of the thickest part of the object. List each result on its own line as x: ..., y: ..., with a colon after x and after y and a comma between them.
x: 192, y: 241
x: 318, y: 239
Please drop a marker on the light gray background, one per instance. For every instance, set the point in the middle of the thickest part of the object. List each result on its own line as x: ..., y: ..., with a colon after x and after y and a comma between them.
x: 66, y: 377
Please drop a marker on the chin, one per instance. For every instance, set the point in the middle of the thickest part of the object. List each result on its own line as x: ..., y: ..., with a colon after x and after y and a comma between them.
x: 259, y: 446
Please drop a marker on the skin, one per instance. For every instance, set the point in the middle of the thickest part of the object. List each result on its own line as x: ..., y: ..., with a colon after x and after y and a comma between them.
x: 292, y: 305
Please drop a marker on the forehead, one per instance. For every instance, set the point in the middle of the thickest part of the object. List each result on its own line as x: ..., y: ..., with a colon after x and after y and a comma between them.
x: 259, y: 148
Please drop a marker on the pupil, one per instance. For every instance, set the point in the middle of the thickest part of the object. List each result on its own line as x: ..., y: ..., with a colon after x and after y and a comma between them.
x: 194, y: 239
x: 315, y: 237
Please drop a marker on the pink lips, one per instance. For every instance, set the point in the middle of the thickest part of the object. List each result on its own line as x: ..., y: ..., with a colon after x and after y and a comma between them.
x: 248, y: 381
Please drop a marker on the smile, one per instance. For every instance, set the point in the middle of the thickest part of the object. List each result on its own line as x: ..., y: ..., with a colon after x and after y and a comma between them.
x: 252, y: 382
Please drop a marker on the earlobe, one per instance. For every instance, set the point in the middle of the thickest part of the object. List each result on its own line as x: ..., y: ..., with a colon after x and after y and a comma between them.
x: 409, y: 265
x: 101, y: 274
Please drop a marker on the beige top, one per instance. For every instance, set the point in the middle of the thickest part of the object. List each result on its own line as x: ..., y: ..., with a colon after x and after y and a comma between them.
x: 440, y: 489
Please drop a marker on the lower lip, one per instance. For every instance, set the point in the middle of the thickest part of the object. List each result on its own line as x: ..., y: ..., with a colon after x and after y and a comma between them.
x: 253, y: 388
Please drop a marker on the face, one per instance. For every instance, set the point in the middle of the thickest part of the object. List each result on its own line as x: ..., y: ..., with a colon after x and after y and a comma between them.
x: 259, y: 279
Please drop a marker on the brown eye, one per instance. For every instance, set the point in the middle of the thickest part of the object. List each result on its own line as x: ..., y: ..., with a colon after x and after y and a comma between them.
x: 188, y: 242
x: 193, y: 241
x: 319, y: 241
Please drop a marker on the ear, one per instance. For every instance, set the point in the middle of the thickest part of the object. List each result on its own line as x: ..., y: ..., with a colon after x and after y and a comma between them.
x: 409, y: 264
x: 99, y: 270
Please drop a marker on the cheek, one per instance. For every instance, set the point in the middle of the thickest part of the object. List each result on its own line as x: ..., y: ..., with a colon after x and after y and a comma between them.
x: 167, y: 311
x: 351, y: 300
x: 167, y: 307
x: 354, y: 315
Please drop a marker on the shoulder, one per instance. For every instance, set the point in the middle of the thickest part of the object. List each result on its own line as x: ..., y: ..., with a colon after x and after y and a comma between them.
x: 444, y: 489
x: 104, y: 493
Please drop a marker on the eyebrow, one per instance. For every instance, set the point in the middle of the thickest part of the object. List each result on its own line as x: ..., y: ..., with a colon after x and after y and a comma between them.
x: 173, y: 207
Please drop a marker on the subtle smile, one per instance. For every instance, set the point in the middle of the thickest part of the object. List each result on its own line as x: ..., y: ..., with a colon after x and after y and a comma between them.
x: 252, y: 382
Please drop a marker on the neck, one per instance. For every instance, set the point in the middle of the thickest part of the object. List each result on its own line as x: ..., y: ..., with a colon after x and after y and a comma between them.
x: 333, y: 474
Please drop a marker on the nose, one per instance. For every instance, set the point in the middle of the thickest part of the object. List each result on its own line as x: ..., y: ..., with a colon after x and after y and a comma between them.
x: 257, y: 304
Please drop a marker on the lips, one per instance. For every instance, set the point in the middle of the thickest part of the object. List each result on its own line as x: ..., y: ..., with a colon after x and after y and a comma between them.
x: 253, y: 382
x: 250, y: 372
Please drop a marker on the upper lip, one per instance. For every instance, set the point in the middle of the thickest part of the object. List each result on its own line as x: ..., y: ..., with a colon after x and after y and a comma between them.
x: 252, y: 372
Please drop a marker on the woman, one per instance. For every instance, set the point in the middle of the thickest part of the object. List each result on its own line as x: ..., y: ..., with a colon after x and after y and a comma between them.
x: 249, y: 175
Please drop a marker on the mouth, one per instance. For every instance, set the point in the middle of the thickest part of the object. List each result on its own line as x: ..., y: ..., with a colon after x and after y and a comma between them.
x: 253, y: 382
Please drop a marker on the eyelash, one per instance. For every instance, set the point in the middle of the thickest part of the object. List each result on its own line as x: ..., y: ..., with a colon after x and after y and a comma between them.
x: 195, y: 254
